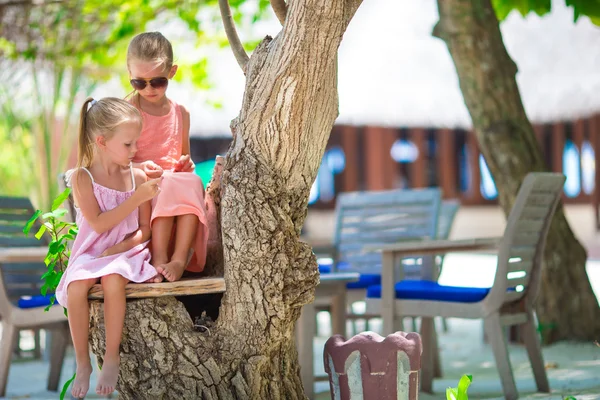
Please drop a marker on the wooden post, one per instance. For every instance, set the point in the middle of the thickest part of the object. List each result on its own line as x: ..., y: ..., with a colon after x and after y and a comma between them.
x: 418, y: 169
x: 390, y: 166
x: 446, y: 162
x: 349, y: 143
x: 475, y: 196
x: 558, y: 145
x: 374, y: 143
x: 373, y: 367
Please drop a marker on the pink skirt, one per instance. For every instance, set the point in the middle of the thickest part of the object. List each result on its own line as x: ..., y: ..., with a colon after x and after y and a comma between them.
x: 182, y: 193
x: 133, y: 265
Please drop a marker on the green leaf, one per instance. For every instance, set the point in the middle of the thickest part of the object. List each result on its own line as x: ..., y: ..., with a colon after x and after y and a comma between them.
x: 50, y: 258
x: 524, y: 7
x: 55, y: 280
x: 44, y: 289
x: 54, y: 247
x: 590, y: 8
x: 55, y: 214
x: 40, y: 232
x: 31, y: 221
x: 63, y: 392
x: 451, y: 394
x: 48, y: 274
x: 60, y: 199
x: 463, y: 385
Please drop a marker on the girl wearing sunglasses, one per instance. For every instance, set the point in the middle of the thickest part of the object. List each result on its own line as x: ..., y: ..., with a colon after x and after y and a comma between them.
x: 178, y: 223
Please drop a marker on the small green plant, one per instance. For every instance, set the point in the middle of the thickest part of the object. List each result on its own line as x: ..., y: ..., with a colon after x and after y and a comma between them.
x: 63, y: 392
x: 543, y: 329
x: 460, y: 392
x: 57, y: 259
x: 60, y: 233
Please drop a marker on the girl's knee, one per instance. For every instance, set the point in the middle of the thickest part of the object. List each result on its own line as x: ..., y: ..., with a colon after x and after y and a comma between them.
x: 80, y: 289
x: 113, y: 279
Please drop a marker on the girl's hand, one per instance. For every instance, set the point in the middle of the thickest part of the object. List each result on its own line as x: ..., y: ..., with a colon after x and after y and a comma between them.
x: 185, y: 164
x: 151, y: 169
x: 147, y: 190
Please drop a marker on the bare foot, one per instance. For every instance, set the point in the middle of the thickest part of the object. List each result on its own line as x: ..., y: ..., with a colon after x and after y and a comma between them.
x: 108, y: 377
x: 81, y: 384
x: 172, y: 271
x: 156, y: 278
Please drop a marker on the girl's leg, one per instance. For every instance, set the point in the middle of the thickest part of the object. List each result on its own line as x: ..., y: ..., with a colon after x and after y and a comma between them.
x: 79, y: 323
x: 185, y: 235
x: 114, y: 317
x: 162, y: 228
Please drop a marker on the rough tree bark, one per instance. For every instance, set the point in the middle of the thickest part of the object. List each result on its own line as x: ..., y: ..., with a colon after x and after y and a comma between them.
x: 289, y: 107
x: 566, y: 307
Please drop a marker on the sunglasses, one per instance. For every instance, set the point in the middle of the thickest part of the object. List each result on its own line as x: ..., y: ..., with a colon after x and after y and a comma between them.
x: 156, y: 83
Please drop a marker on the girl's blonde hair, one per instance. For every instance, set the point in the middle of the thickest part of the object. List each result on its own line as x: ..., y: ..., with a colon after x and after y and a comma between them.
x: 151, y: 47
x: 102, y: 118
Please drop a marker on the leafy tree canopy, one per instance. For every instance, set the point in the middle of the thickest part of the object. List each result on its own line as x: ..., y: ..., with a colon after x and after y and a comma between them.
x: 589, y: 8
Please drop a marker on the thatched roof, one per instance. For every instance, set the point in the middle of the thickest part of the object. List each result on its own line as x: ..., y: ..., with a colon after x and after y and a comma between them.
x: 392, y: 72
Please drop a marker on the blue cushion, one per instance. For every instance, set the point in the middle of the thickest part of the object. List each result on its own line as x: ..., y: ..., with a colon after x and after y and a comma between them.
x: 364, y: 280
x: 427, y: 290
x: 324, y: 269
x: 34, y: 301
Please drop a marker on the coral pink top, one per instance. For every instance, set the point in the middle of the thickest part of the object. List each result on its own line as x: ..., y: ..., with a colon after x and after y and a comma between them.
x: 161, y: 138
x: 182, y: 193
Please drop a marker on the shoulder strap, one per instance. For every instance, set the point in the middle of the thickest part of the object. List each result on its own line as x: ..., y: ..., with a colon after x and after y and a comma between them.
x: 89, y: 173
x: 132, y: 177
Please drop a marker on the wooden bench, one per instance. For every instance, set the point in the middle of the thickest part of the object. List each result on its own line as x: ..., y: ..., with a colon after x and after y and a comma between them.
x: 21, y: 268
x: 184, y: 287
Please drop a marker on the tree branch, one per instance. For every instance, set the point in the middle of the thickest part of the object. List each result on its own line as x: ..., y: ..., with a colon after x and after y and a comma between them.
x: 234, y: 40
x: 280, y: 9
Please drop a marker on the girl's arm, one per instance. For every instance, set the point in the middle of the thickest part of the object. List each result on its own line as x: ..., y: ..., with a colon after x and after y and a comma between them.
x: 99, y: 221
x: 185, y: 163
x: 185, y: 137
x: 142, y: 234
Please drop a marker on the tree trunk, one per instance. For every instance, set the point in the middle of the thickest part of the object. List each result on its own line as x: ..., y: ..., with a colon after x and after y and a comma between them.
x: 289, y: 107
x: 567, y: 307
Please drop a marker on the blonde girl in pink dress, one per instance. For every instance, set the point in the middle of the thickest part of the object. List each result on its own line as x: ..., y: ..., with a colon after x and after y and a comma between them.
x: 179, y: 224
x: 113, y: 216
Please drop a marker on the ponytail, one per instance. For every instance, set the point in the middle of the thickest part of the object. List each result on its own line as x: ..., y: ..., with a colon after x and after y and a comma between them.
x: 102, y: 118
x: 86, y: 149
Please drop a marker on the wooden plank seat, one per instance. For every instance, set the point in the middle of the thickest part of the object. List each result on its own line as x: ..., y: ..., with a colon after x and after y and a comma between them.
x: 183, y: 287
